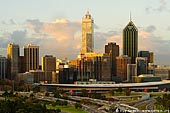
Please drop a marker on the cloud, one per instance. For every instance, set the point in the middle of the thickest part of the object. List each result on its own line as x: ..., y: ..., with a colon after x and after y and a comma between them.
x: 34, y: 24
x: 12, y: 22
x: 3, y: 22
x: 62, y: 38
x: 168, y: 28
x: 8, y: 22
x: 161, y: 7
x: 151, y: 28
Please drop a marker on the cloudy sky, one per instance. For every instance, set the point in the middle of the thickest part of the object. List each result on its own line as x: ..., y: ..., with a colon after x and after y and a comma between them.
x: 55, y: 25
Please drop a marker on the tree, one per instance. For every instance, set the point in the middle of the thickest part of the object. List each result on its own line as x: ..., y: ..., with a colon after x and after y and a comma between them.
x: 84, y: 92
x: 163, y: 102
x: 47, y: 94
x: 119, y: 90
x: 57, y: 94
x: 112, y: 92
x: 36, y: 89
x: 127, y: 91
x: 77, y: 105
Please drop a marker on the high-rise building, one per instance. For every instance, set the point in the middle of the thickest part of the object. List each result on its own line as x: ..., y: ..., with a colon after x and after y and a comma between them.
x: 130, y: 41
x: 113, y: 51
x: 49, y: 63
x: 141, y: 63
x: 87, y: 34
x: 31, y: 54
x: 121, y: 66
x: 12, y: 57
x: 3, y: 67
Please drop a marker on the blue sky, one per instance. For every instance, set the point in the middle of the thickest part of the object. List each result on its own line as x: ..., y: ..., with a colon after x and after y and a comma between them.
x: 55, y: 25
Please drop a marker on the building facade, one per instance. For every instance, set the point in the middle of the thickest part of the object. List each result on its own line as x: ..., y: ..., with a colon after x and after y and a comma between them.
x: 49, y: 63
x: 130, y: 41
x: 12, y: 57
x: 144, y: 54
x: 31, y: 54
x: 113, y: 51
x: 87, y: 34
x: 102, y: 68
x: 21, y: 64
x: 85, y: 64
x: 3, y: 67
x: 121, y: 66
x: 131, y: 71
x: 141, y: 63
x: 151, y: 57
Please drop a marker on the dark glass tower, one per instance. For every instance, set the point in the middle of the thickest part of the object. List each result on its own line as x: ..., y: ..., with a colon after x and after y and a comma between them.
x: 130, y: 41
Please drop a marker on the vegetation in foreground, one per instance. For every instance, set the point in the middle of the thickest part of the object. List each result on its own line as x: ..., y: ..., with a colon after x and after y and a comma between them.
x: 163, y: 102
x: 70, y: 109
x: 15, y: 104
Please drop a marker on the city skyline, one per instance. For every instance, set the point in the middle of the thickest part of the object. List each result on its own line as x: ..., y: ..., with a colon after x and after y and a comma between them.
x: 57, y: 29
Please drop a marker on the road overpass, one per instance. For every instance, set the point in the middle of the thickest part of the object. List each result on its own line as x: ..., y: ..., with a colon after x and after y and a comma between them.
x: 106, y: 87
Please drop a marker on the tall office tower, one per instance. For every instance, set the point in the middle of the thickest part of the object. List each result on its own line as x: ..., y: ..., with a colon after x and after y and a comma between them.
x: 3, y: 67
x: 49, y: 63
x: 12, y: 57
x: 141, y: 63
x: 31, y: 54
x: 121, y: 66
x: 130, y: 41
x: 113, y: 51
x: 87, y: 34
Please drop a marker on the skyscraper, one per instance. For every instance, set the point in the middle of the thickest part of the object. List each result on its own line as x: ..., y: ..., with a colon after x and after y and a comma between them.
x: 87, y: 34
x: 49, y: 63
x: 113, y: 51
x: 130, y: 41
x: 12, y: 57
x: 31, y: 54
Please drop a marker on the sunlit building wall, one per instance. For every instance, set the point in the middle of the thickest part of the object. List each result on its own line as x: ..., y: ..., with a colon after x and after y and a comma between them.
x: 87, y: 34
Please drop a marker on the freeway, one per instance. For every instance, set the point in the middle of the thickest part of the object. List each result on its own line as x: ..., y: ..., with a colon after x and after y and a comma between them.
x: 84, y: 107
x: 144, y: 101
x: 107, y: 104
